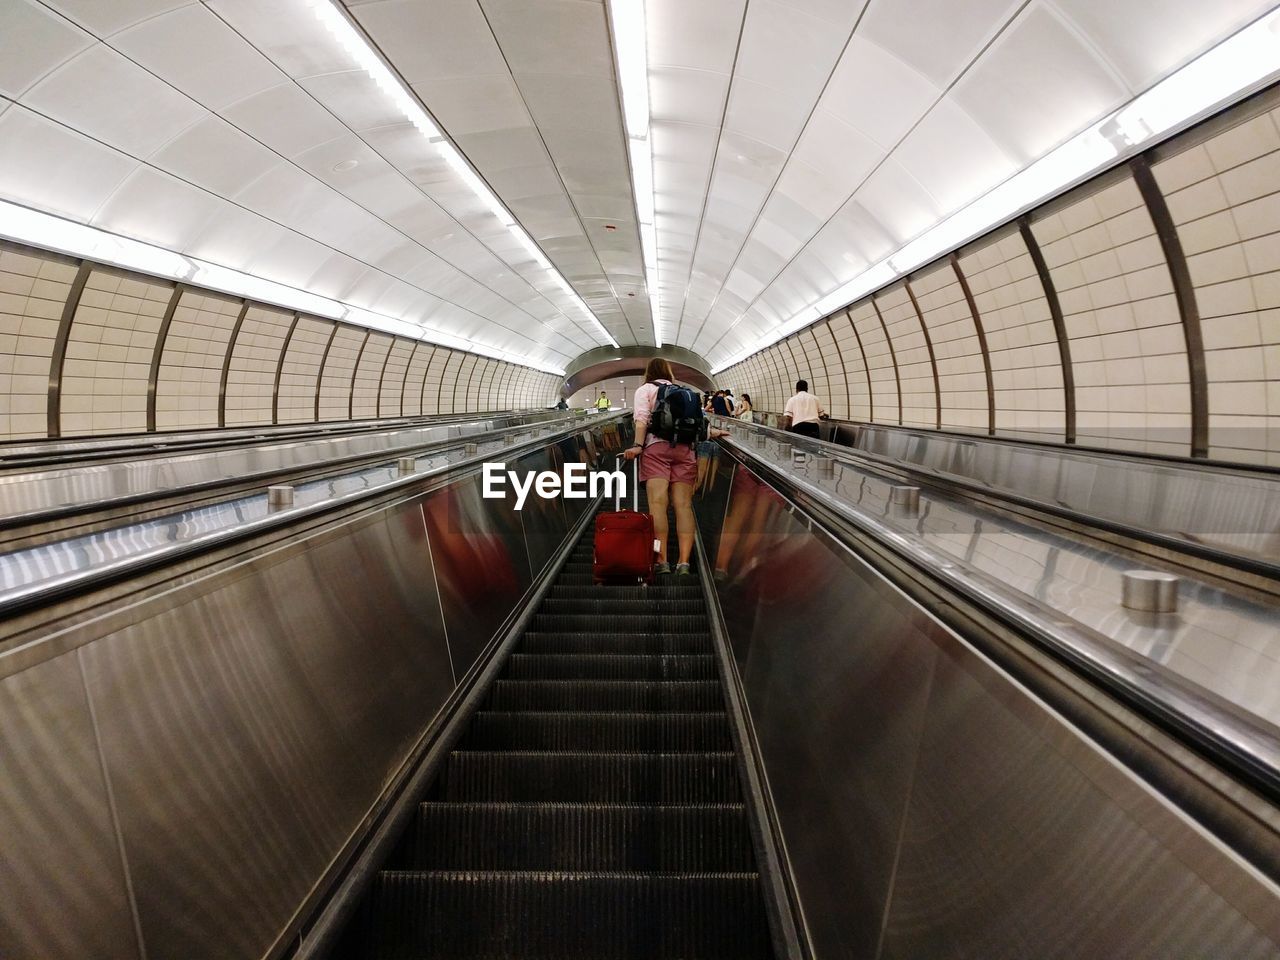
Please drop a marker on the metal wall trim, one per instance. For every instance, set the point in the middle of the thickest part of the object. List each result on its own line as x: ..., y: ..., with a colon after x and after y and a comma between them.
x: 1059, y: 327
x: 226, y: 363
x: 324, y: 359
x: 284, y: 349
x: 382, y: 375
x: 440, y: 386
x: 982, y: 343
x: 866, y: 369
x: 795, y: 363
x: 826, y: 371
x: 59, y: 355
x: 933, y: 360
x: 355, y: 370
x: 404, y: 381
x: 157, y: 352
x: 426, y: 371
x: 893, y: 354
x: 1184, y: 292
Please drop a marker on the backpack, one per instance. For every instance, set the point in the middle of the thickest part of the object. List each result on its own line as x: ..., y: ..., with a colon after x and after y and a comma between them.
x: 677, y: 415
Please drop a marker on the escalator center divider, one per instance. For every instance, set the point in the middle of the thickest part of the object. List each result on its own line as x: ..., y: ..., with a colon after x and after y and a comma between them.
x: 592, y: 809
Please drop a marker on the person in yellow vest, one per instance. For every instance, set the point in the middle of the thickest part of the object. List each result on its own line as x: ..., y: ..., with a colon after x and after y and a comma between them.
x: 602, y: 405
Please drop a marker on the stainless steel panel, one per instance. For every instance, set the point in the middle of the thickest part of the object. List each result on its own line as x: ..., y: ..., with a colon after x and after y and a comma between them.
x: 64, y: 893
x: 1020, y: 844
x: 929, y: 805
x: 837, y: 695
x: 544, y: 522
x: 481, y: 562
x: 248, y: 729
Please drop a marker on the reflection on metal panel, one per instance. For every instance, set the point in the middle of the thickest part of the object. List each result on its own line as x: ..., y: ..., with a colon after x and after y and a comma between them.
x: 248, y: 730
x: 64, y: 889
x: 543, y: 521
x: 928, y: 804
x: 481, y: 564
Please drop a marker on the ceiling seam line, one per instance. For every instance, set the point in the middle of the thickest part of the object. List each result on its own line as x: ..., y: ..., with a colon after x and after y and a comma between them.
x: 211, y: 112
x: 947, y: 89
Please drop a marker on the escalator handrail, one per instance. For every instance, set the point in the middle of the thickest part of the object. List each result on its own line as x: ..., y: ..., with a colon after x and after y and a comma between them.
x: 1241, y: 742
x: 46, y: 591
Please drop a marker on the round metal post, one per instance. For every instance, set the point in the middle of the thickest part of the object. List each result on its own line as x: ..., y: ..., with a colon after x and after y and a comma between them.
x: 1152, y: 591
x: 408, y: 464
x: 279, y: 496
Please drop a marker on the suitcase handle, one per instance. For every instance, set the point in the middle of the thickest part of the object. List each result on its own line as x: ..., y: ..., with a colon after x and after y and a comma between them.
x: 635, y: 486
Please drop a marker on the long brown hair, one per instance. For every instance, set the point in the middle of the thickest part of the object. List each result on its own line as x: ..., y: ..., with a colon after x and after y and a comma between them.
x: 658, y: 369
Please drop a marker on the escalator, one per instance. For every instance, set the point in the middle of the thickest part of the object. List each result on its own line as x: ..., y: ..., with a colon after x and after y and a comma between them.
x: 592, y: 808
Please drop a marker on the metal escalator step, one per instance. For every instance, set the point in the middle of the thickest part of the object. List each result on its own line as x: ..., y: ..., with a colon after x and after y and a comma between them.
x: 578, y: 777
x: 672, y: 695
x: 608, y: 666
x: 634, y: 623
x: 623, y: 643
x: 595, y: 836
x: 666, y: 588
x: 703, y: 732
x: 472, y: 915
x: 608, y: 607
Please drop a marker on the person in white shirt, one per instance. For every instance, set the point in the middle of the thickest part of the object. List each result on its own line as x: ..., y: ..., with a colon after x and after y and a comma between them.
x: 803, y: 411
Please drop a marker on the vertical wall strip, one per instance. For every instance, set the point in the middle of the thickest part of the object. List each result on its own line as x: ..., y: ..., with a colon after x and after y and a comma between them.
x: 426, y: 371
x: 59, y: 355
x: 226, y: 364
x: 355, y: 370
x: 1059, y: 328
x: 324, y: 359
x: 440, y: 386
x: 382, y: 375
x: 1185, y: 294
x: 153, y: 375
x: 826, y: 372
x: 848, y: 397
x: 404, y: 381
x: 933, y: 360
x: 284, y: 350
x: 982, y: 343
x: 893, y: 354
x: 866, y: 369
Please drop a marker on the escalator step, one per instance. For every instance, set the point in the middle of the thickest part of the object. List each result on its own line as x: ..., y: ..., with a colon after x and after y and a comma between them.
x: 624, y: 643
x: 608, y: 666
x: 635, y: 622
x: 678, y: 695
x: 599, y: 732
x: 606, y: 606
x: 565, y: 916
x: 666, y: 588
x: 562, y: 836
x: 589, y: 777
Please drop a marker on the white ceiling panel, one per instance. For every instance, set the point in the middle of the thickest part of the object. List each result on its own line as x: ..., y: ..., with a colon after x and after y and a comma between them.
x: 36, y: 42
x: 953, y: 157
x: 106, y: 17
x: 877, y: 93
x: 939, y: 38
x: 285, y: 118
x: 153, y: 206
x: 433, y: 41
x: 215, y: 155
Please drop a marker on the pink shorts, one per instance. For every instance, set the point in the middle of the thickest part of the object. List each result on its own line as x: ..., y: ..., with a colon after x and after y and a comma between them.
x: 676, y: 463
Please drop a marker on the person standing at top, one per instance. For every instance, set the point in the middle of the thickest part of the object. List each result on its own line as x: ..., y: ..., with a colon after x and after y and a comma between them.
x: 803, y: 411
x: 562, y: 404
x: 668, y: 464
x: 602, y: 405
x: 720, y: 404
x: 743, y: 411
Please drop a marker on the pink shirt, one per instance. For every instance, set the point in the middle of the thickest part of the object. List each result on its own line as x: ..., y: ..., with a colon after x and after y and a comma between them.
x: 642, y: 409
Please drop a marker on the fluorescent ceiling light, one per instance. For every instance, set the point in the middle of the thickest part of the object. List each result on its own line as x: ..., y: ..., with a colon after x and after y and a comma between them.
x: 1239, y: 65
x: 351, y: 39
x: 630, y: 45
x: 44, y: 230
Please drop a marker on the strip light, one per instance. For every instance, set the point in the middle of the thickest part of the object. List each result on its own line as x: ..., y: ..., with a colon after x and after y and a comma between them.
x: 38, y: 229
x: 353, y: 41
x: 630, y: 44
x: 1241, y: 64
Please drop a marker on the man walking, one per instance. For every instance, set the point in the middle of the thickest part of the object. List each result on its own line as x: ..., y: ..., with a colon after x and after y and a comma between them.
x: 803, y: 411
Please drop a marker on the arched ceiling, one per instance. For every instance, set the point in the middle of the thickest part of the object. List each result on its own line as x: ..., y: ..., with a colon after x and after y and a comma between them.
x: 795, y: 143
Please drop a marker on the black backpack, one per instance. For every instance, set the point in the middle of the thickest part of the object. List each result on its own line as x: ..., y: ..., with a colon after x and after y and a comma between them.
x: 677, y: 415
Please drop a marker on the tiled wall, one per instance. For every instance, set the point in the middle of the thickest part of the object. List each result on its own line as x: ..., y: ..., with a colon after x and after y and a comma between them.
x: 34, y: 288
x: 87, y: 349
x: 1172, y: 332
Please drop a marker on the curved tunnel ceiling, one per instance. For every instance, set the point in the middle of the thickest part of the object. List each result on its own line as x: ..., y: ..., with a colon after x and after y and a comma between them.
x: 794, y: 144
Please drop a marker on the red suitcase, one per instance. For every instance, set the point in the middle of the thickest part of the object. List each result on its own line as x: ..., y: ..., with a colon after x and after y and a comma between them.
x: 625, y: 548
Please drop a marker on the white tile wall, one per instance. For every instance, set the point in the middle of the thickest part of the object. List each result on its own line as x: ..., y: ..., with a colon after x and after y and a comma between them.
x: 300, y: 374
x: 435, y: 373
x: 34, y: 287
x: 339, y: 366
x: 393, y: 378
x: 449, y: 381
x: 255, y: 359
x: 414, y: 378
x: 1224, y: 196
x: 191, y: 361
x: 915, y: 372
x: 879, y: 359
x: 847, y: 393
x: 962, y: 377
x: 109, y: 351
x: 1026, y: 364
x: 364, y: 398
x: 462, y: 384
x: 1128, y: 352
